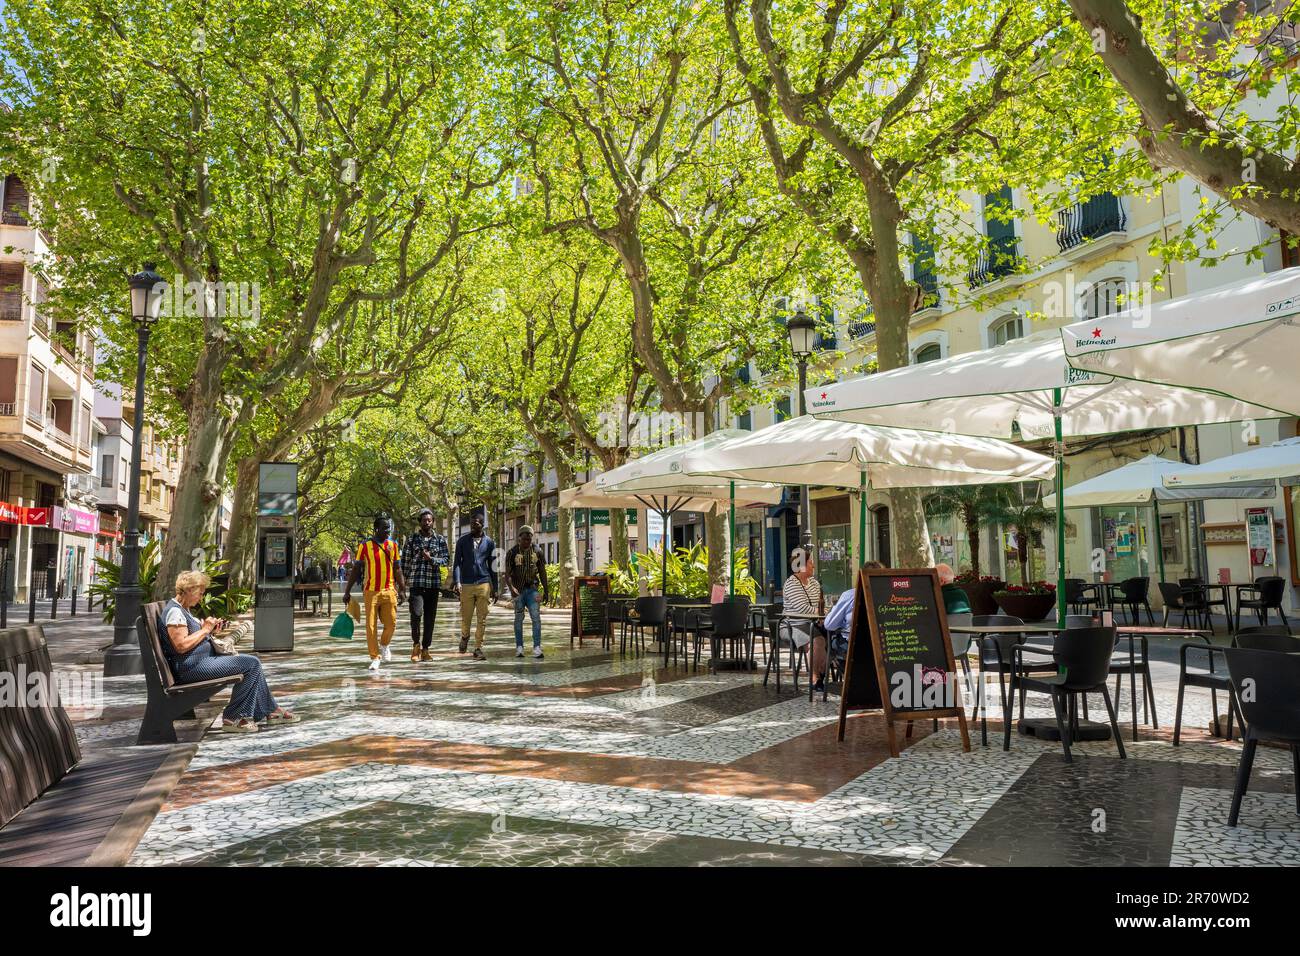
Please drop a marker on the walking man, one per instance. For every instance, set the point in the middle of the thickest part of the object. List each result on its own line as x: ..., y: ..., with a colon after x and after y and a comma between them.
x: 384, y: 587
x: 423, y: 557
x: 524, y: 570
x: 474, y: 575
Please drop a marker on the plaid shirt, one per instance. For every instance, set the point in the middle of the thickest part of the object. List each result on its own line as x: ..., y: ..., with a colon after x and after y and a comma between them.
x: 420, y: 572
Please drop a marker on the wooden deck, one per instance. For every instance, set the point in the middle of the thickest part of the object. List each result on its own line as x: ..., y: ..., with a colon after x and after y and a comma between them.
x: 70, y: 821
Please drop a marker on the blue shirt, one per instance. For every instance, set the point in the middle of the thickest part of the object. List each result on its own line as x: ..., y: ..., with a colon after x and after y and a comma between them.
x: 841, y: 615
x: 473, y: 561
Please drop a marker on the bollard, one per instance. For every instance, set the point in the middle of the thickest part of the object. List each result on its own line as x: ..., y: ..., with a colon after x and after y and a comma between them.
x: 74, y: 602
x: 31, y: 608
x: 54, y: 606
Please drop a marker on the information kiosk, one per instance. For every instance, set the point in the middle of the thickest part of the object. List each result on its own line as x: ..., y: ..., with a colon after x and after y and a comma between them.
x: 277, y: 520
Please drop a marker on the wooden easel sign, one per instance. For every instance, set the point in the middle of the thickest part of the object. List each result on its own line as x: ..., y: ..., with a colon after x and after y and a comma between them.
x: 900, y: 614
x: 590, y: 595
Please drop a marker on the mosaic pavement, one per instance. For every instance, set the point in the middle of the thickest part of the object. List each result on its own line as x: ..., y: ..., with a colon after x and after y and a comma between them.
x: 587, y: 758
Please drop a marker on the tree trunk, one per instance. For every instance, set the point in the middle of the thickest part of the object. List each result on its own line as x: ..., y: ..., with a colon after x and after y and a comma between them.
x: 198, y: 491
x: 892, y: 298
x: 973, y: 538
x: 619, y: 555
x: 717, y: 530
x: 241, y: 544
x: 568, y: 555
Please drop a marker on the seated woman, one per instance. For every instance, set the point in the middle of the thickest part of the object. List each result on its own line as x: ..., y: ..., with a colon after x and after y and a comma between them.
x: 190, y: 653
x: 955, y: 600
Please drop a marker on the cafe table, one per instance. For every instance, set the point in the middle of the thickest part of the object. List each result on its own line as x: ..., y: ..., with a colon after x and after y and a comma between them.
x: 1088, y: 730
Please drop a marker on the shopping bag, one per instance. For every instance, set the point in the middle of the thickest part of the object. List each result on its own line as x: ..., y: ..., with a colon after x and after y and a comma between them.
x: 342, y: 627
x: 354, y: 609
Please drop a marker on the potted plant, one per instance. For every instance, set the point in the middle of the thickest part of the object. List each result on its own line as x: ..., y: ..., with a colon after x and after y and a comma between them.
x: 1029, y: 602
x: 980, y: 589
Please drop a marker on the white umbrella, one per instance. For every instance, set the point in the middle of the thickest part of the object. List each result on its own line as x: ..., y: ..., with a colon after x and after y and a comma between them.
x: 1142, y: 482
x: 1239, y: 340
x: 1279, y: 461
x: 810, y: 451
x: 1022, y: 390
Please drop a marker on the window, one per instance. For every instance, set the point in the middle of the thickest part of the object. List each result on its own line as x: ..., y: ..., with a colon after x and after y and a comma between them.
x: 745, y: 422
x: 8, y: 385
x: 1007, y: 330
x: 11, y: 291
x: 15, y: 202
x: 928, y: 353
x: 1104, y: 298
x: 85, y: 426
x: 782, y: 409
x: 107, y: 471
x: 126, y: 466
x: 36, y: 394
x: 1290, y: 249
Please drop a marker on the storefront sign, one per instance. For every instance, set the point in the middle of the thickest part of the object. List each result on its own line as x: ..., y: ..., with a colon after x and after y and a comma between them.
x: 1259, y: 536
x: 75, y: 522
x: 17, y: 514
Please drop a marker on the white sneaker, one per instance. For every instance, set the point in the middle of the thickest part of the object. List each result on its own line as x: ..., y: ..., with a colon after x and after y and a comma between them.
x: 387, y: 654
x: 537, y: 651
x: 374, y: 663
x: 519, y: 651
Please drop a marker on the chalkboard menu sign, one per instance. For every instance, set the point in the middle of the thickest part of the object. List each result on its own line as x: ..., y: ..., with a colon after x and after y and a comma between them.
x: 910, y: 671
x: 590, y: 595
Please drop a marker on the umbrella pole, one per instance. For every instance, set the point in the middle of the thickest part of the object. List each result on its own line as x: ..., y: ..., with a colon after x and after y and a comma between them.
x: 862, y: 520
x: 663, y: 583
x: 1059, y: 454
x: 1159, y: 544
x: 731, y: 541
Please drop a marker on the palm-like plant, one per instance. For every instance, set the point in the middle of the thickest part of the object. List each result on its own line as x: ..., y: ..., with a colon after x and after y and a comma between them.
x: 687, y: 573
x: 1029, y: 518
x: 975, y: 506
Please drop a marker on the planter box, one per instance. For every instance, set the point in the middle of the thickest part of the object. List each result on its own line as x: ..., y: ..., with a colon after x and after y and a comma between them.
x: 981, y: 595
x: 1027, y: 607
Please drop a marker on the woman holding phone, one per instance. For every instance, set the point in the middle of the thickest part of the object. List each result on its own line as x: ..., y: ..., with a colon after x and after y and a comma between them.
x: 192, y: 658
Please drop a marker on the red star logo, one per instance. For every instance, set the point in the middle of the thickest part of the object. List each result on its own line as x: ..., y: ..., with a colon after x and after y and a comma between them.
x: 823, y: 394
x: 1096, y: 333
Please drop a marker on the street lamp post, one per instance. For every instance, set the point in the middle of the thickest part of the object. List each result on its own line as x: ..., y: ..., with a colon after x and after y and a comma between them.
x: 802, y: 331
x: 587, y: 477
x: 503, y: 480
x: 124, y: 656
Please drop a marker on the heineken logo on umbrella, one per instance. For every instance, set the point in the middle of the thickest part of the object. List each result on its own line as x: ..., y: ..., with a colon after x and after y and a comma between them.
x: 823, y: 402
x: 1096, y: 340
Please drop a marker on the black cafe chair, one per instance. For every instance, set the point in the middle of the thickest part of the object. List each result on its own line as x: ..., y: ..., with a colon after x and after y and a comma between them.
x: 996, y: 656
x: 1186, y: 600
x: 651, y: 612
x: 1211, y: 598
x: 1080, y: 596
x: 1270, y: 711
x: 1082, y: 660
x: 1133, y: 595
x: 1269, y: 637
x: 1274, y: 637
x: 782, y: 637
x: 1261, y: 597
x: 1135, y: 661
x: 730, y: 625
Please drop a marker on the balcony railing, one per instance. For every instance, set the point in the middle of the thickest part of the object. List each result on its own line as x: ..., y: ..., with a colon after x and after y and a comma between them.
x: 862, y: 328
x: 1091, y: 219
x: 825, y: 341
x: 8, y: 409
x: 997, y: 261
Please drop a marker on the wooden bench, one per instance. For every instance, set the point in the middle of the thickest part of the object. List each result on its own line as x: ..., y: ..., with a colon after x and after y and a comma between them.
x: 168, y: 700
x: 38, y: 745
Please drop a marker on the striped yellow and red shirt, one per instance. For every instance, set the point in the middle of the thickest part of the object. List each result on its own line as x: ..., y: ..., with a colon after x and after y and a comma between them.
x: 378, y: 560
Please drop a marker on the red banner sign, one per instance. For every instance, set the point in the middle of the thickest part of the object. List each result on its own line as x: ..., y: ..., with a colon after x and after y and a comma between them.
x: 17, y: 514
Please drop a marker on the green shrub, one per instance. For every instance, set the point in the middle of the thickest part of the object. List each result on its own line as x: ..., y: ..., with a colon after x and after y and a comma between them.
x: 688, y: 573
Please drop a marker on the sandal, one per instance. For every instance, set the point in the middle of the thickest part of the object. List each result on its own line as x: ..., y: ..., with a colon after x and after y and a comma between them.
x: 283, y: 717
x: 242, y: 726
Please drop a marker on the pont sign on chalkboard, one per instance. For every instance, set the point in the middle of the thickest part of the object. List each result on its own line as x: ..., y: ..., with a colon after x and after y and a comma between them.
x: 590, y: 596
x: 910, y: 672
